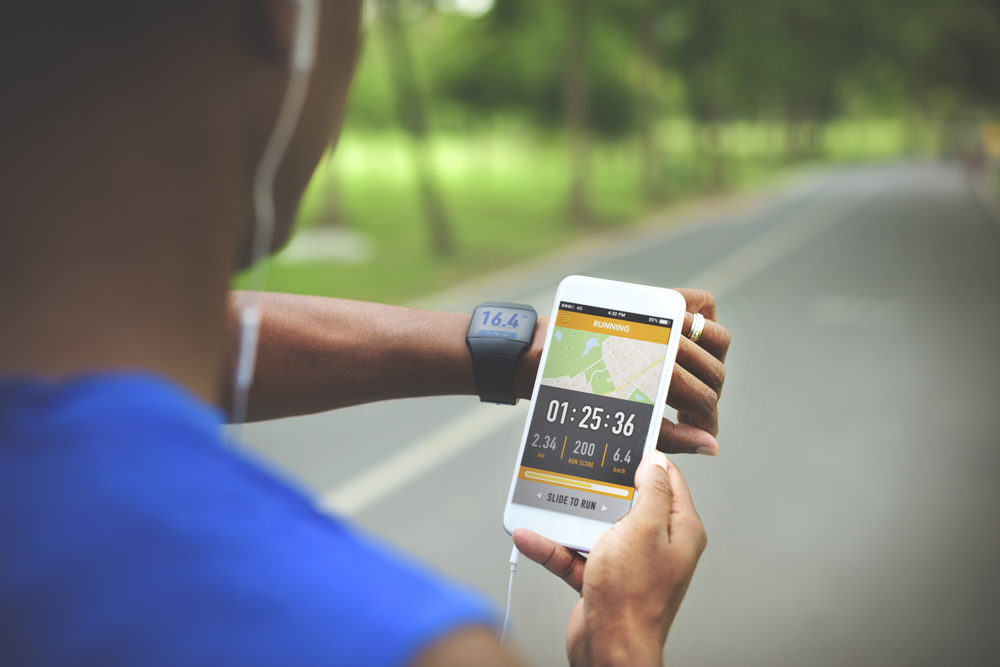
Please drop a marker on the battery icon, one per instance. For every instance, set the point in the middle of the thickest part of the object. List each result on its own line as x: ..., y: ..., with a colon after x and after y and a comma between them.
x: 664, y: 321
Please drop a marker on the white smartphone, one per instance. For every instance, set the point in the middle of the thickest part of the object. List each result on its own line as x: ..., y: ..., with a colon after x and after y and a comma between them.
x: 596, y: 408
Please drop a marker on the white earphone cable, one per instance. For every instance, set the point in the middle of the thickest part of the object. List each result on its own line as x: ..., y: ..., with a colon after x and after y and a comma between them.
x: 515, y: 556
x: 302, y: 57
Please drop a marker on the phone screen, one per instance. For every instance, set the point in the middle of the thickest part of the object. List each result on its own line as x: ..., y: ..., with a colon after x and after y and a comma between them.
x: 593, y: 412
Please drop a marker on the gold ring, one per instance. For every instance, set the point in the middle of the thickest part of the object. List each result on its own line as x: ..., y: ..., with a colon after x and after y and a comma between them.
x: 697, y: 326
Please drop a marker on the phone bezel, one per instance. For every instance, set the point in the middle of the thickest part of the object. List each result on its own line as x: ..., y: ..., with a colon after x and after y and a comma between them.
x: 578, y: 532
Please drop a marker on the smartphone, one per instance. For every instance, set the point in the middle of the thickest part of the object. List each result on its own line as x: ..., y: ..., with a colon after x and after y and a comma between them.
x: 596, y: 408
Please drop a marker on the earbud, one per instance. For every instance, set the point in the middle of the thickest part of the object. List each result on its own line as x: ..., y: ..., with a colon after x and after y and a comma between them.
x: 303, y: 55
x: 306, y: 31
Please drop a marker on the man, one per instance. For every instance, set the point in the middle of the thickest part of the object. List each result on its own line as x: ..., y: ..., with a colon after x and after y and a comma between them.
x: 129, y: 532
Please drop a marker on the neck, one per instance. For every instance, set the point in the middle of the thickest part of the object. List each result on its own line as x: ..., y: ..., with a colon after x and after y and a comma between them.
x: 118, y: 241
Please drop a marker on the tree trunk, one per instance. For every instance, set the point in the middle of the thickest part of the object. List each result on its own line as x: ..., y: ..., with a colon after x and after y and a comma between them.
x: 652, y: 184
x: 794, y: 133
x: 575, y: 107
x: 715, y: 155
x: 412, y: 111
x: 330, y: 214
x: 791, y: 141
x: 815, y: 145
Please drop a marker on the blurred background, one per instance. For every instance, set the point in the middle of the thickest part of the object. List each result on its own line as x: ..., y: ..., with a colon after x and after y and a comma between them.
x: 826, y: 168
x: 483, y: 132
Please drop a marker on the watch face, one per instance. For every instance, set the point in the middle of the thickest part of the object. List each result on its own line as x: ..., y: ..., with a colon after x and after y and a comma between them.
x: 500, y: 321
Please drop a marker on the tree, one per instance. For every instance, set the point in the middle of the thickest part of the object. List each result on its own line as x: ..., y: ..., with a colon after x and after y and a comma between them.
x: 412, y: 110
x: 558, y: 65
x: 575, y: 104
x: 652, y: 183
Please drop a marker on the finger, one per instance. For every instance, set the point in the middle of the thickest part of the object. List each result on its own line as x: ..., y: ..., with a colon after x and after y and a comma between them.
x: 685, y: 439
x: 698, y: 401
x: 699, y: 301
x: 714, y: 338
x: 702, y: 365
x: 654, y: 493
x: 685, y: 524
x: 662, y: 492
x: 557, y: 559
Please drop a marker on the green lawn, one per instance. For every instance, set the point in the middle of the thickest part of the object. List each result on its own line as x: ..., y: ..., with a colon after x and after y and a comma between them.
x: 506, y: 196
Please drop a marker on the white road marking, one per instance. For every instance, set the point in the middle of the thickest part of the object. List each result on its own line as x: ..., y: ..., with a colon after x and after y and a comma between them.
x: 420, y: 457
x: 475, y: 424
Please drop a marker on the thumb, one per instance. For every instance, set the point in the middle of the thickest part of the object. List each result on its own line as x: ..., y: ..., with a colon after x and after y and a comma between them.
x: 663, y: 496
x: 654, y: 492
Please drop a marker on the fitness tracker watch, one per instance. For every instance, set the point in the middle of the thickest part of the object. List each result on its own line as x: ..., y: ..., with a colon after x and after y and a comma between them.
x: 498, y: 335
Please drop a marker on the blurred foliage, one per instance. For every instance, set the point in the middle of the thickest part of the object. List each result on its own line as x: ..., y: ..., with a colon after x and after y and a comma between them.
x: 736, y: 59
x: 689, y: 95
x: 514, y: 62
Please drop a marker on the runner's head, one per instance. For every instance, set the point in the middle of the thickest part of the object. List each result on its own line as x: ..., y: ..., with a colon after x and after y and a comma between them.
x: 197, y: 82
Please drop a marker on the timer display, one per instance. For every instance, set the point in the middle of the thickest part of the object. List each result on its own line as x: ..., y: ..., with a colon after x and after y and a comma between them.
x: 592, y: 417
x: 586, y: 435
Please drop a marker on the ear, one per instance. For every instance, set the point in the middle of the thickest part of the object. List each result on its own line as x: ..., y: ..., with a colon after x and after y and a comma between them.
x: 272, y: 27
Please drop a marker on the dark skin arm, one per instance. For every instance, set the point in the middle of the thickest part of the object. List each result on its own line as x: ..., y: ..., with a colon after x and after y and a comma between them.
x: 318, y: 354
x: 631, y: 585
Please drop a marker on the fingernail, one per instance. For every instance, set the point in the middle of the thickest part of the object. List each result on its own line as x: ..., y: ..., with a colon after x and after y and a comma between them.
x: 706, y: 450
x: 657, y: 458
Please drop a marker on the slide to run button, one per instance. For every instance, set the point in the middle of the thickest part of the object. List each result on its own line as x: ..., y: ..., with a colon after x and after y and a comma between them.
x: 575, y: 483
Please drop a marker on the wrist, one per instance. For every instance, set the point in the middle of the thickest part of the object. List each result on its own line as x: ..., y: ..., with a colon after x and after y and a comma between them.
x: 618, y: 638
x: 618, y: 649
x: 527, y: 366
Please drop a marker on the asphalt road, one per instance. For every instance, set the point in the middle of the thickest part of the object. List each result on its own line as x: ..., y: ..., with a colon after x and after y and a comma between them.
x: 853, y: 512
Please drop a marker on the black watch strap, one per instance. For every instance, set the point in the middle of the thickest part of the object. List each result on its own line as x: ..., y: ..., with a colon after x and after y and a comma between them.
x: 496, y: 347
x: 493, y: 363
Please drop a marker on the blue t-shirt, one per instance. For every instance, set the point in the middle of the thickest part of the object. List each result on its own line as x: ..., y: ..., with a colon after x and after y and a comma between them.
x: 131, y: 534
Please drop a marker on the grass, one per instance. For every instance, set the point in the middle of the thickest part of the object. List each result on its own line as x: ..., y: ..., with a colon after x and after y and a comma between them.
x: 506, y: 195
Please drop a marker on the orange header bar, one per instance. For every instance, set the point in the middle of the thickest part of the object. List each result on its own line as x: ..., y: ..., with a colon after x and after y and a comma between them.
x: 605, y: 325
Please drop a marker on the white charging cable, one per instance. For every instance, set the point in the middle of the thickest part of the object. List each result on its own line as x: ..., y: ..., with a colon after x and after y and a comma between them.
x: 515, y: 556
x: 302, y: 57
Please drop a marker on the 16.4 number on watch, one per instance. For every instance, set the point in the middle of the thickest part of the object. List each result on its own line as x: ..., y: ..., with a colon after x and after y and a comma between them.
x: 497, y: 319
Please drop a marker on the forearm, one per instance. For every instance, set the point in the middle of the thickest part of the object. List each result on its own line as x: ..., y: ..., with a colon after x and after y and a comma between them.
x: 317, y: 354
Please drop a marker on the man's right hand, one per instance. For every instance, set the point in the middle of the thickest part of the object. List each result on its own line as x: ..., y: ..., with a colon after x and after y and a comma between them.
x: 635, y: 578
